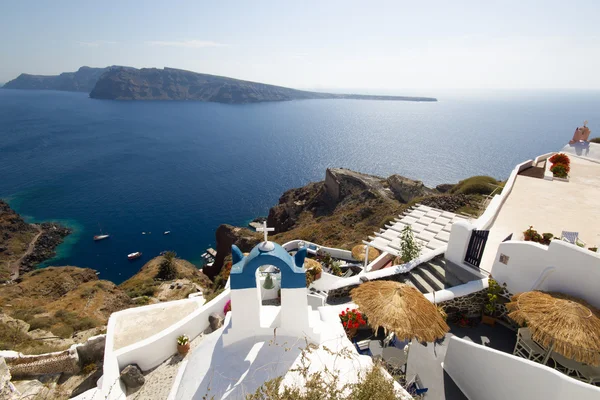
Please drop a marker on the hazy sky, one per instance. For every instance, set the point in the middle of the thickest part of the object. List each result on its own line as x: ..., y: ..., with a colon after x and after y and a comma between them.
x: 422, y: 45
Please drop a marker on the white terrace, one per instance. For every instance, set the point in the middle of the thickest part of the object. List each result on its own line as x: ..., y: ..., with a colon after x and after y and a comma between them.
x: 550, y: 206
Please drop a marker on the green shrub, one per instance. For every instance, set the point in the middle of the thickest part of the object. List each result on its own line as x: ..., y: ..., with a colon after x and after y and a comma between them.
x: 142, y: 301
x: 85, y: 323
x: 27, y: 314
x: 409, y: 247
x: 595, y: 140
x: 62, y: 330
x: 89, y: 368
x: 475, y: 185
x: 41, y: 323
x: 167, y: 270
x: 146, y: 287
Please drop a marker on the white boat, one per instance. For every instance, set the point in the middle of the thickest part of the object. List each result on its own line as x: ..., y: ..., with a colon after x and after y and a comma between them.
x: 133, y: 256
x: 100, y: 237
x: 166, y: 232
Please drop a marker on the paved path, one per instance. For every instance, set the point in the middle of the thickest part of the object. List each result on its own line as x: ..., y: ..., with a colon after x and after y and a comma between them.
x: 16, y: 266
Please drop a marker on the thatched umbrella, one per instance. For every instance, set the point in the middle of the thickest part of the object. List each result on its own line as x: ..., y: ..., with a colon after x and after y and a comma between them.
x: 358, y: 252
x: 562, y: 323
x: 401, y: 309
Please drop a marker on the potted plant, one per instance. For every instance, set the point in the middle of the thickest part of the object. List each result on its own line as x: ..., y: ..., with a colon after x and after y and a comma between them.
x: 594, y: 249
x: 313, y: 273
x: 489, y: 308
x: 530, y: 233
x: 183, y: 344
x: 227, y: 307
x: 352, y: 320
x: 336, y: 269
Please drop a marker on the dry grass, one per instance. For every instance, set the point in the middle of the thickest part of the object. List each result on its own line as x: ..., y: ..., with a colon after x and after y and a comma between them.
x: 144, y: 284
x: 345, y: 226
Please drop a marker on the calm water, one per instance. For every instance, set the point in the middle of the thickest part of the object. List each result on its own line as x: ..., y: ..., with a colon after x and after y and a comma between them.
x: 131, y: 167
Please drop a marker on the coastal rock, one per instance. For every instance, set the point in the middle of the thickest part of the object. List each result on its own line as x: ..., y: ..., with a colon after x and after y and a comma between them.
x: 52, y: 235
x: 215, y: 320
x: 132, y: 376
x: 406, y: 189
x: 444, y: 187
x: 227, y: 235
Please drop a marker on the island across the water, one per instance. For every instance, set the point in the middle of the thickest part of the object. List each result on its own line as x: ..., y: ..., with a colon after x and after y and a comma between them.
x: 126, y: 83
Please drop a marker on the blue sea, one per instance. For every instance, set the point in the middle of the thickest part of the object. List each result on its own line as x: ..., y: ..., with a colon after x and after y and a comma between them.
x: 187, y: 167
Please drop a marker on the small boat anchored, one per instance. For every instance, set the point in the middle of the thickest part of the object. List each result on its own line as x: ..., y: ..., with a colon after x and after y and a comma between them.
x: 101, y: 236
x: 133, y: 256
x: 166, y: 232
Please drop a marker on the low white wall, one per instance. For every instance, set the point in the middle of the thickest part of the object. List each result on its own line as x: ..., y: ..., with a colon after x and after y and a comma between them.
x: 326, y: 281
x: 457, y: 291
x: 484, y: 373
x: 554, y: 268
x: 152, y: 351
x: 333, y: 252
x: 543, y: 157
x: 461, y: 230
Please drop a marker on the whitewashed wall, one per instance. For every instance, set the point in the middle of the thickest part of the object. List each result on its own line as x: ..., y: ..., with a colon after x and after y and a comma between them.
x: 554, y: 267
x: 484, y: 373
x: 461, y: 230
x: 152, y: 351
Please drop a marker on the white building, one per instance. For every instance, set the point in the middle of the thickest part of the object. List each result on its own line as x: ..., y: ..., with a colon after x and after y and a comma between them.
x: 238, y: 357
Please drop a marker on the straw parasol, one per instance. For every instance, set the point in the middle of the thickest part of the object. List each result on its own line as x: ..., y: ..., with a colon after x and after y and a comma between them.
x: 400, y: 308
x: 358, y: 252
x: 562, y: 323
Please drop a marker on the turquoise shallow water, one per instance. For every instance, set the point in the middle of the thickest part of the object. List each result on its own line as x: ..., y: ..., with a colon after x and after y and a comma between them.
x: 188, y: 167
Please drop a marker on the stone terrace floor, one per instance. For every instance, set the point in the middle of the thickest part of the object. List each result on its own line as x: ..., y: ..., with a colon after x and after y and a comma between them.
x: 550, y: 206
x: 426, y: 362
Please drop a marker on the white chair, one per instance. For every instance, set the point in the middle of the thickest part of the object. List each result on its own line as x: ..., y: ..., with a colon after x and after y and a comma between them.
x: 576, y: 370
x: 527, y: 348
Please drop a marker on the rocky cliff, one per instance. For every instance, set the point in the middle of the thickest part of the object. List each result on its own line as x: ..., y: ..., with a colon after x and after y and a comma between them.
x: 340, y: 211
x: 175, y: 84
x: 83, y: 80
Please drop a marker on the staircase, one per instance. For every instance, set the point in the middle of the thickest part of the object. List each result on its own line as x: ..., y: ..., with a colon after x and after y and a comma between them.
x: 432, y: 276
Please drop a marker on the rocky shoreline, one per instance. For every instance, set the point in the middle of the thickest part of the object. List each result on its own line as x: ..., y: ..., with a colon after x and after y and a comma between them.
x: 53, y: 234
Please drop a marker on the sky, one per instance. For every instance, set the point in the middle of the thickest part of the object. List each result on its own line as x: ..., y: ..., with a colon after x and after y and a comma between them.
x: 395, y: 46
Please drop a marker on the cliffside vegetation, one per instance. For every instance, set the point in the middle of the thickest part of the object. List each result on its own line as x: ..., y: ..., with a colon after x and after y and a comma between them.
x: 347, y: 208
